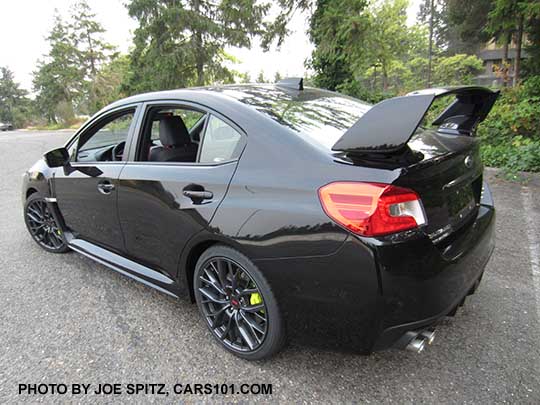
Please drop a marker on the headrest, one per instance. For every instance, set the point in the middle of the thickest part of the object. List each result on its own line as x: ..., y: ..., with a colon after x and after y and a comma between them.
x: 173, y: 131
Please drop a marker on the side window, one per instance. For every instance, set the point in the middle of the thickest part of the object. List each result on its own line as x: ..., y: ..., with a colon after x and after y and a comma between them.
x: 189, y: 117
x: 106, y: 141
x: 171, y: 134
x: 221, y: 142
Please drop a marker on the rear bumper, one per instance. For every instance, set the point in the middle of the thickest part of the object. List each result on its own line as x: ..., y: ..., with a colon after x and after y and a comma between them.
x: 422, y: 283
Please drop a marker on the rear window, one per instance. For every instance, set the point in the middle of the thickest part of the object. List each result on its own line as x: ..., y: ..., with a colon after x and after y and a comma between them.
x: 319, y: 116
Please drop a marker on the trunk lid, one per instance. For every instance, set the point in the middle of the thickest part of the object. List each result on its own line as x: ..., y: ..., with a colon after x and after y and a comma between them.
x: 448, y: 179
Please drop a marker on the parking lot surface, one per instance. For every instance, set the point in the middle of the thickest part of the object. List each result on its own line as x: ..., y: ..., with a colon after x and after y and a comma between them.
x: 67, y: 319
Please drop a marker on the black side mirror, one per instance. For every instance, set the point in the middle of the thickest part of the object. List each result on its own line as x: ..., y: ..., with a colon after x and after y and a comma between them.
x: 57, y: 157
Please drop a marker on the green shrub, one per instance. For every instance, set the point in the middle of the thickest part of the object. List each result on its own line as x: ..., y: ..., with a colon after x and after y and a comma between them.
x: 511, y: 133
x: 516, y: 113
x: 520, y: 154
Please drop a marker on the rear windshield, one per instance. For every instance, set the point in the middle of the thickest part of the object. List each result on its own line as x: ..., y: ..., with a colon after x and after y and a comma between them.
x: 319, y: 116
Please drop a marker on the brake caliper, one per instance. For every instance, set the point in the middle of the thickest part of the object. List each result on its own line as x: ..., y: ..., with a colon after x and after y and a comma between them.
x: 255, y: 299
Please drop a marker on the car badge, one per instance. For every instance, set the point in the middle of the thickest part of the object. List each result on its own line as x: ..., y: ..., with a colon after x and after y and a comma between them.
x: 469, y: 161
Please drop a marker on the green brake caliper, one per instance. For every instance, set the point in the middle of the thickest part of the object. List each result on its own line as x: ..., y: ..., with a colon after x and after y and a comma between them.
x: 255, y: 299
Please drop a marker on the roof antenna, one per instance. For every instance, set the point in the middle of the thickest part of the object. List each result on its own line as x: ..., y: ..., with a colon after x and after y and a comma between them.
x: 295, y: 83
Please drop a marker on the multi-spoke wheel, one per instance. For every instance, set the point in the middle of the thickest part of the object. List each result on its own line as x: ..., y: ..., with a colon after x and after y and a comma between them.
x: 42, y: 225
x: 237, y: 303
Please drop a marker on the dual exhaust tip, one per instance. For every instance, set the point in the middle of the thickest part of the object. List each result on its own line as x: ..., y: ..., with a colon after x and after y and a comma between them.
x: 419, y: 342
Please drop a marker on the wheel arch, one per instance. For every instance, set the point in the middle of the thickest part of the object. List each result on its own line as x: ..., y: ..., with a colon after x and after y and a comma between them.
x: 30, y: 191
x: 193, y: 251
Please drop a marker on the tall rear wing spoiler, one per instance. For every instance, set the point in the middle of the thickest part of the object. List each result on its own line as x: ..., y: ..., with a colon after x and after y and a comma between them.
x: 390, y: 124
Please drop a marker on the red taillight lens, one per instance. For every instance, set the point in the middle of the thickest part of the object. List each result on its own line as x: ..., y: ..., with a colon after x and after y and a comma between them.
x: 372, y: 209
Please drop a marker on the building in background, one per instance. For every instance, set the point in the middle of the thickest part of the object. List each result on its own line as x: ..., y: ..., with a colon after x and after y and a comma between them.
x: 492, y: 55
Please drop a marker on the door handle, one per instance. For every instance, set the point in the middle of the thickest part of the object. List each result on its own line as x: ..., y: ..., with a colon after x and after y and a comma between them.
x: 198, y: 195
x: 105, y: 187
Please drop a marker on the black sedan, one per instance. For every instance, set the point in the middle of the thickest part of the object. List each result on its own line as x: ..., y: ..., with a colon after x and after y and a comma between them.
x: 282, y: 211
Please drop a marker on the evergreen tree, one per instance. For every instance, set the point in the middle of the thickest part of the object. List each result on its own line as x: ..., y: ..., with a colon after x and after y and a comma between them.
x: 441, y: 30
x: 13, y: 99
x: 467, y: 20
x: 87, y: 31
x: 57, y: 80
x: 180, y: 44
x: 93, y: 53
x: 334, y: 25
x: 359, y: 45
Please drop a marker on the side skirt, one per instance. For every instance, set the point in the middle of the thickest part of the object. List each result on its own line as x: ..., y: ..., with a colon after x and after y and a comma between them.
x: 124, y: 266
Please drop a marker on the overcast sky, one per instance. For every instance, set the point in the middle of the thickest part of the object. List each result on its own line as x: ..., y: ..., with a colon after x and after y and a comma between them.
x: 25, y: 24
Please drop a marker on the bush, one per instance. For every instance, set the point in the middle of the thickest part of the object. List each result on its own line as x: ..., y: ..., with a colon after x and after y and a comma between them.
x: 521, y: 154
x: 511, y: 133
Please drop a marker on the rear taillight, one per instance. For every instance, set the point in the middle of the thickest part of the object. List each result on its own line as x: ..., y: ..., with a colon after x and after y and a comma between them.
x: 372, y: 209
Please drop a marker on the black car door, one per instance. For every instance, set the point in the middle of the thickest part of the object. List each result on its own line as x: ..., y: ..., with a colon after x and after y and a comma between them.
x: 162, y: 204
x: 86, y: 190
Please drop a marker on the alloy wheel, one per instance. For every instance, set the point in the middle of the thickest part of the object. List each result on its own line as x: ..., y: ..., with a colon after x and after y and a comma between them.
x: 43, y: 226
x: 232, y: 304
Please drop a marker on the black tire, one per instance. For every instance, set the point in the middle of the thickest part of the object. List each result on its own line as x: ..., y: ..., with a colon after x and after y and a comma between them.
x: 48, y: 236
x: 267, y: 344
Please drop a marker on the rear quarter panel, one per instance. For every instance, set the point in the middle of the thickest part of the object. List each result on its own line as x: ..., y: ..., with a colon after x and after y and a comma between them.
x: 272, y: 207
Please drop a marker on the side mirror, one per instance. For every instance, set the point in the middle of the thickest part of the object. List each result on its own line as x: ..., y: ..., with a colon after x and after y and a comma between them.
x: 57, y: 157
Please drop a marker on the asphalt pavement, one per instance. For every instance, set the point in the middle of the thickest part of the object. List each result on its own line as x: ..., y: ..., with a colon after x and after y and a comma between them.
x: 66, y: 319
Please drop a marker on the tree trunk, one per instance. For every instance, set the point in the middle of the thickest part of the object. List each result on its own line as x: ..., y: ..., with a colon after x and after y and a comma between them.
x: 517, y: 63
x: 384, y: 78
x: 91, y: 54
x: 199, y: 52
x: 430, y: 52
x: 200, y: 60
x: 505, y: 63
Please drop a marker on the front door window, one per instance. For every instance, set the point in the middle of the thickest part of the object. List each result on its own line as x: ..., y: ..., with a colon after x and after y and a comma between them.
x: 106, y: 141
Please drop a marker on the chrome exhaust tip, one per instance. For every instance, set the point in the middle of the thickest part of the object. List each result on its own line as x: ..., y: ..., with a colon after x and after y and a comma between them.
x: 416, y: 345
x: 428, y: 335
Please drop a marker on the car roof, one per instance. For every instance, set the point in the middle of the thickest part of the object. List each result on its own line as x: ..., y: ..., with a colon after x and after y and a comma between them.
x: 239, y: 102
x: 188, y: 93
x: 232, y: 95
